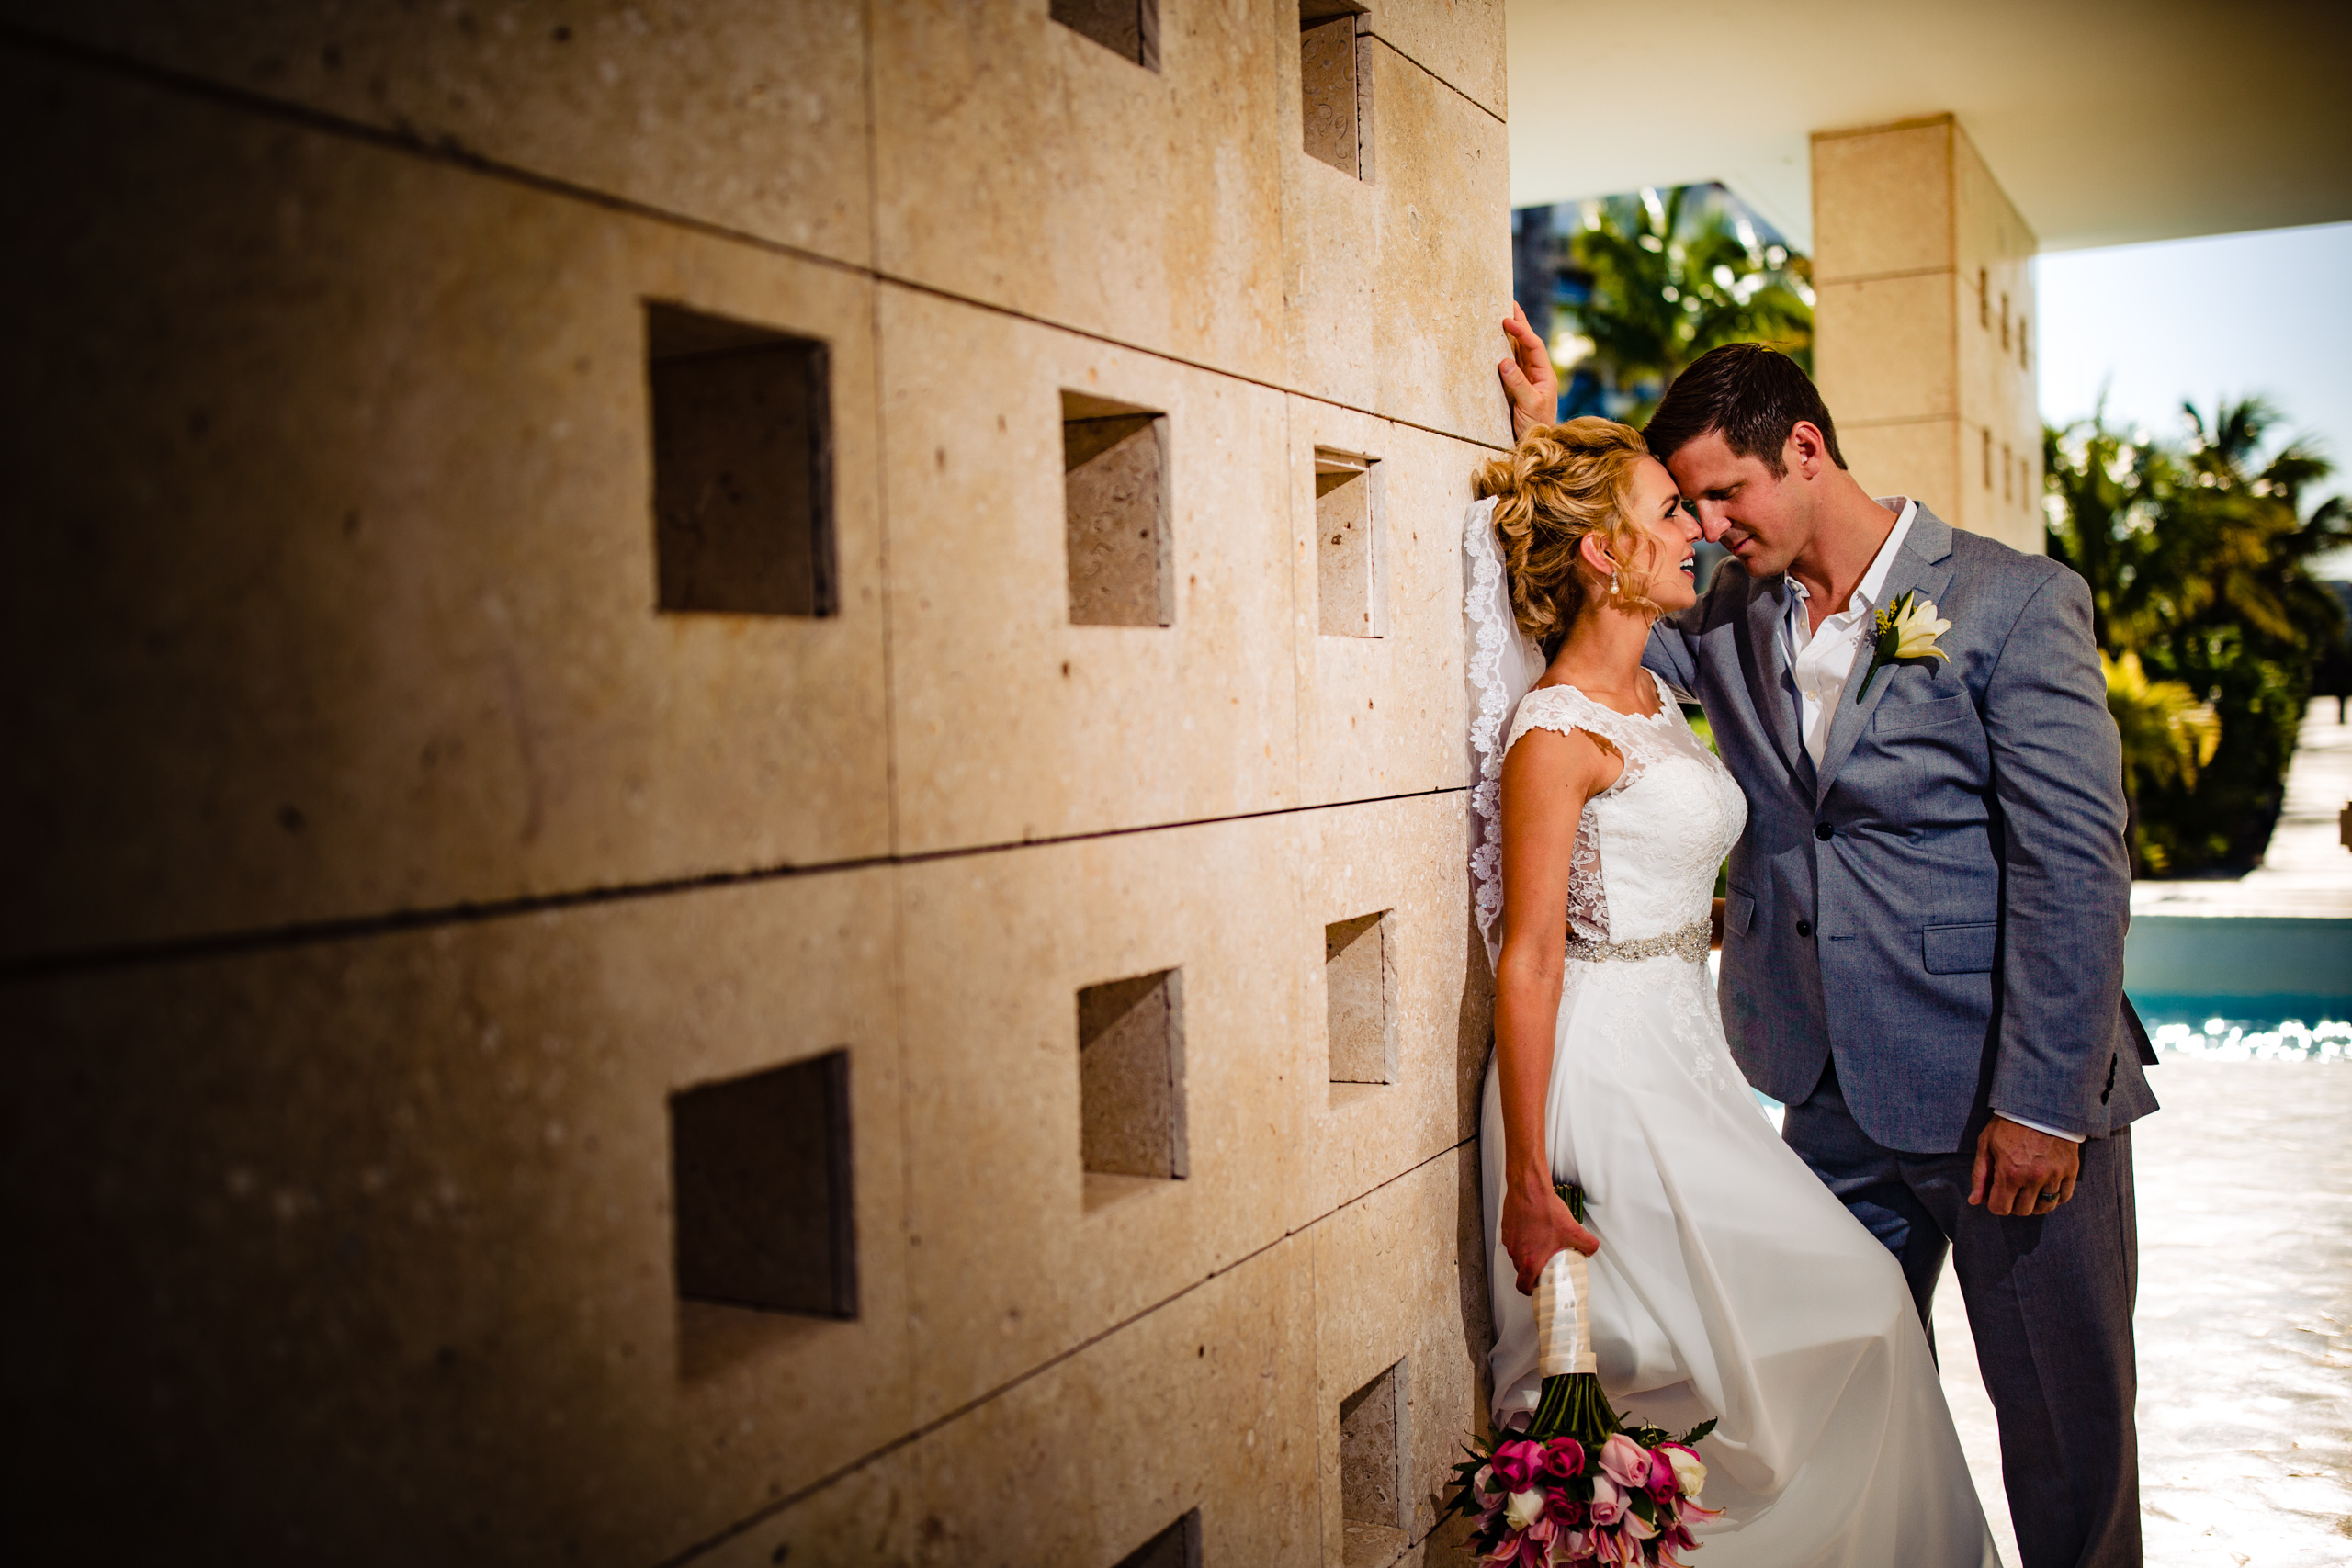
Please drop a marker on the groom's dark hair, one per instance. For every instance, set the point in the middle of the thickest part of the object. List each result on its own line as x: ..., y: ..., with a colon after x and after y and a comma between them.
x: 1751, y: 395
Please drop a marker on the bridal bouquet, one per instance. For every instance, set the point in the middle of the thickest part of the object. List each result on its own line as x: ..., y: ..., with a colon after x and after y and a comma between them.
x: 1580, y: 1485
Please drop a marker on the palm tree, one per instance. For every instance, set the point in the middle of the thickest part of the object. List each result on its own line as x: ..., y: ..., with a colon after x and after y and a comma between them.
x: 1673, y: 276
x: 2198, y: 558
x: 2167, y: 734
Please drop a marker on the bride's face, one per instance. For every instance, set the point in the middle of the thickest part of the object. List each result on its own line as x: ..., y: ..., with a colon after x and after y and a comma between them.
x: 1671, y: 570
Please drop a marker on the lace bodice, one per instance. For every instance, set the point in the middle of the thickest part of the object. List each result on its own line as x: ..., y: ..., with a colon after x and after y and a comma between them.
x: 1648, y: 845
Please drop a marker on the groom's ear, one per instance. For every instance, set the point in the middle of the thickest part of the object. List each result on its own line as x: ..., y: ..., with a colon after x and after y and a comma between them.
x: 1807, y: 450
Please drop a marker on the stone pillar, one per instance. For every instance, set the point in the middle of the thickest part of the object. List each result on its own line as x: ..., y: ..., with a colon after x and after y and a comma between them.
x: 1923, y: 328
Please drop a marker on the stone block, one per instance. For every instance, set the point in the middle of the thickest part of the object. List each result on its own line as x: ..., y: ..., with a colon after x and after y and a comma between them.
x: 1155, y: 221
x: 1460, y: 42
x: 1883, y: 349
x: 366, y: 1248
x: 333, y: 585
x: 1408, y: 858
x: 1205, y: 1404
x: 1441, y: 168
x: 1009, y: 722
x: 1022, y: 1252
x: 1916, y: 458
x: 1400, y: 1298
x: 1882, y: 200
x: 749, y: 116
x: 1383, y: 716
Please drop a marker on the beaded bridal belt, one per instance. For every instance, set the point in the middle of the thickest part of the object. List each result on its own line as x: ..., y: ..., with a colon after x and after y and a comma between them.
x: 1692, y: 941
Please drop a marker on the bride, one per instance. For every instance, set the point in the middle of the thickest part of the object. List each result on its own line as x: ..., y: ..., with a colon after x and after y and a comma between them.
x: 1725, y: 1280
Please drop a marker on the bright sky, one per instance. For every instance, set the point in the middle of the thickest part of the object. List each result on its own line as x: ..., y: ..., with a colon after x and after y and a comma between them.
x: 2267, y: 313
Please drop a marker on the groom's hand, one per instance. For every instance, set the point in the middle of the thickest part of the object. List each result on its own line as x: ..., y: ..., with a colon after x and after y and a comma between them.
x: 2016, y: 1165
x: 1528, y: 375
x: 1537, y: 1227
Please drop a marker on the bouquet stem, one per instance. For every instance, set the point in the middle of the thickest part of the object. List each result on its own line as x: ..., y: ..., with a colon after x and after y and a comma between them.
x: 1573, y: 1405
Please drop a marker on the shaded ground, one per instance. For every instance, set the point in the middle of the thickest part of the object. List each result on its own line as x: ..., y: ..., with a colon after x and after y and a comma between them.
x: 2244, y: 1322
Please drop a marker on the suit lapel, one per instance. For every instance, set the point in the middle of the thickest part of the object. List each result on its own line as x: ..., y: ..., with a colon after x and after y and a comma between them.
x: 1761, y: 663
x: 1920, y: 565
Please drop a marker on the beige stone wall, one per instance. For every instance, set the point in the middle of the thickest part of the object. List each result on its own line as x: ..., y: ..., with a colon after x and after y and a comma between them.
x: 381, y: 861
x: 1924, y: 324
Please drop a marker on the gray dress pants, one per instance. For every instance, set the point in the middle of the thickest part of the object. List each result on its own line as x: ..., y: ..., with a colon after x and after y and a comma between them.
x: 2049, y: 1302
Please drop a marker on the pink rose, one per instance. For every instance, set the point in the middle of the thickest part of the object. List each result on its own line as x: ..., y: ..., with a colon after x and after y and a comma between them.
x: 1564, y: 1459
x: 1517, y: 1463
x: 1625, y: 1461
x: 1662, y: 1487
x: 1608, y: 1503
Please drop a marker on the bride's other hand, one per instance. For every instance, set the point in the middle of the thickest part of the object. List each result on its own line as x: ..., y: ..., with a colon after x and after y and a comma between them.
x: 1527, y: 377
x: 1536, y: 1226
x: 2020, y: 1172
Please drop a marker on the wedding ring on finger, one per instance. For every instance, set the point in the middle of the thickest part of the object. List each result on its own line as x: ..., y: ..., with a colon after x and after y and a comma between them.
x: 2049, y: 1195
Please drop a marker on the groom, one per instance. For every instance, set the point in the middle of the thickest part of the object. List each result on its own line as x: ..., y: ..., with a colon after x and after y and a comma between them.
x: 1923, y: 943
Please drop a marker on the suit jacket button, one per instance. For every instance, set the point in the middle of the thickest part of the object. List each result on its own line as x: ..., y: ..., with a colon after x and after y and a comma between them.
x: 1821, y: 831
x: 1805, y: 928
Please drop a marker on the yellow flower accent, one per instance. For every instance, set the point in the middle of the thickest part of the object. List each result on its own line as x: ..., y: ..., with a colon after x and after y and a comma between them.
x: 1906, y: 629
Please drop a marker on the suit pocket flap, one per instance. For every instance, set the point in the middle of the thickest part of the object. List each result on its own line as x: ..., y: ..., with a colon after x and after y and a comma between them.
x: 1959, y: 950
x: 1919, y: 716
x: 1739, y: 911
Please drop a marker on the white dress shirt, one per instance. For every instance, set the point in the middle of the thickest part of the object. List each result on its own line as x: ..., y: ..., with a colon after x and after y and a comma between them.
x: 1821, y: 658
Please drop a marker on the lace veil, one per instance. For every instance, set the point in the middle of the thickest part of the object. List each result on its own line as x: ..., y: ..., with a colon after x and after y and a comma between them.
x: 1504, y: 663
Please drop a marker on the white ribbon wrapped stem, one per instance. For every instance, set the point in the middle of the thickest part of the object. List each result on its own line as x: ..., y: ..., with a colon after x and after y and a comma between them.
x: 1563, y: 1321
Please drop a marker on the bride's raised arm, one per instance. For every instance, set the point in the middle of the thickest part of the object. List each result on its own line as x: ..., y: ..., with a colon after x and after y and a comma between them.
x: 1547, y: 779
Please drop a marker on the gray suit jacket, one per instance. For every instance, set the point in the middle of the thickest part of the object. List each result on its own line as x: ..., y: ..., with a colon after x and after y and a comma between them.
x: 1941, y: 904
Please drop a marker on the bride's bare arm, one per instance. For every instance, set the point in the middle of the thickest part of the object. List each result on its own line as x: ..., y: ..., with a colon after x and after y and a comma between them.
x: 1547, y: 778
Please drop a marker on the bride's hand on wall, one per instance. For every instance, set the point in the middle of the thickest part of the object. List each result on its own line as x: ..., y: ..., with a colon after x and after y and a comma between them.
x: 1535, y: 1227
x: 1527, y: 377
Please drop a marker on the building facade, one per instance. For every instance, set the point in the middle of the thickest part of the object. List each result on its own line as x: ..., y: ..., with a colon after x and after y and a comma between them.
x: 735, y: 779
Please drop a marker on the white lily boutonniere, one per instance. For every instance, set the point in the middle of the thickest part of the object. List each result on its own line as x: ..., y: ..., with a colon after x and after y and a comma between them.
x: 1905, y: 629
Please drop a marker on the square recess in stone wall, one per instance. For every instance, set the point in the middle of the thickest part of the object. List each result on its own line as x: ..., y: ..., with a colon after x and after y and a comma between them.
x: 742, y: 467
x: 1128, y: 28
x: 1131, y: 1080
x: 1115, y: 493
x: 1178, y: 1546
x: 1348, y: 544
x: 759, y: 1178
x: 1333, y: 86
x: 1372, y: 1475
x: 1358, y: 995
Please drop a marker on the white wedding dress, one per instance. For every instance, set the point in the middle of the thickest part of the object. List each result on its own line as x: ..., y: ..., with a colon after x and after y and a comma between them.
x: 1730, y: 1283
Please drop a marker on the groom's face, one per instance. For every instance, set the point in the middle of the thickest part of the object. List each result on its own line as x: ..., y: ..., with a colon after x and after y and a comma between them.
x: 1761, y: 518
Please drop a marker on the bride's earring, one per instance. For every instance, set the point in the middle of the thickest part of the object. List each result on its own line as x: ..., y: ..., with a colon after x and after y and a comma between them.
x: 1613, y: 585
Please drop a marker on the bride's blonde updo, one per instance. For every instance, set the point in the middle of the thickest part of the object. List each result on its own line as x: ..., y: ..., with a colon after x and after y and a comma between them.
x: 1561, y: 482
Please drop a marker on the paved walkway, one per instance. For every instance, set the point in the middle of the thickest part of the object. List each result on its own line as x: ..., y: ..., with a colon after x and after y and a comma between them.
x: 2244, y: 1322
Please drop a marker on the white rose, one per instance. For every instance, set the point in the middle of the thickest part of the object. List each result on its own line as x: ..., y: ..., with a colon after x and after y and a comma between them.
x: 1523, y: 1509
x: 1689, y: 1473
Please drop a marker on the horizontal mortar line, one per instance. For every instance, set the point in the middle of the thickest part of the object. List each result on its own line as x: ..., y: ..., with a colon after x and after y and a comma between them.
x: 905, y: 1439
x: 1953, y: 271
x: 305, y: 933
x: 455, y: 155
x: 1433, y: 74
